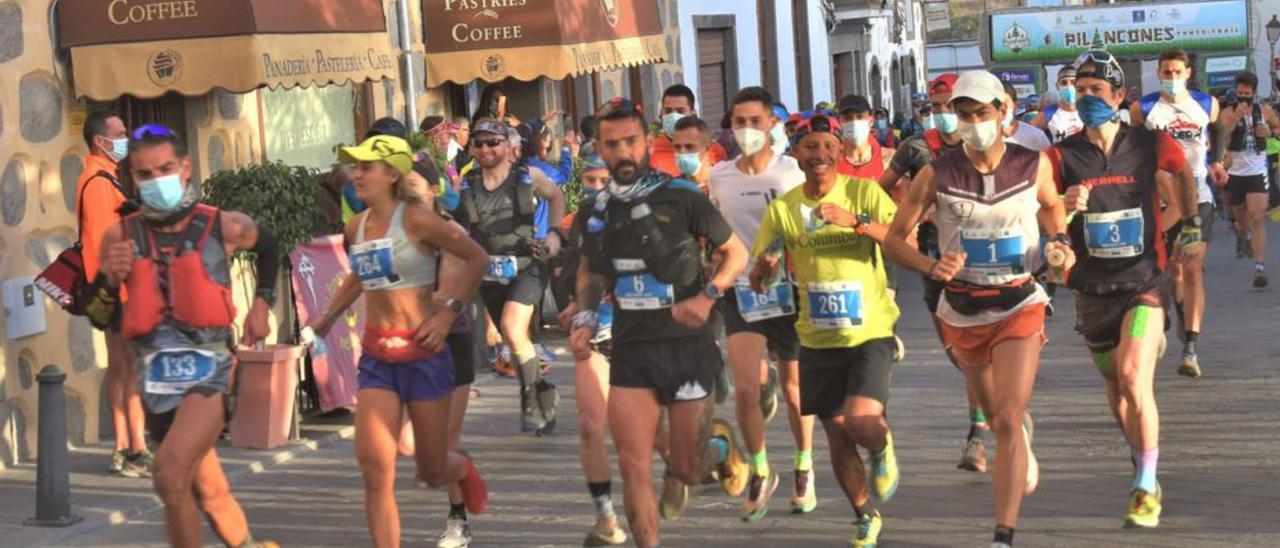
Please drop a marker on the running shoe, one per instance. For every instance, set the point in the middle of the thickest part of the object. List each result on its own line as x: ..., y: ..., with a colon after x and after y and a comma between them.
x: 544, y: 354
x: 804, y: 498
x: 1033, y: 466
x: 500, y: 361
x: 475, y: 493
x: 1259, y: 279
x: 757, y: 504
x: 1000, y: 545
x: 138, y: 466
x: 866, y: 531
x: 606, y: 532
x: 734, y: 472
x: 974, y: 456
x: 1190, y: 366
x: 457, y: 534
x: 884, y: 470
x: 675, y: 498
x: 1144, y: 509
x: 117, y: 461
x: 769, y: 395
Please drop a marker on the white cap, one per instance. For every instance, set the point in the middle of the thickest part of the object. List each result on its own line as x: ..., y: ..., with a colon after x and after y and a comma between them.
x: 979, y: 85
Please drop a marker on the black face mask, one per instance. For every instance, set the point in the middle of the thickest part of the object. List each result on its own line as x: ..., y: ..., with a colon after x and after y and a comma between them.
x: 1245, y: 100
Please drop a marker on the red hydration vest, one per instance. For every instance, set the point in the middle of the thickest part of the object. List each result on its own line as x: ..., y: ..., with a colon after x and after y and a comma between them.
x: 174, y: 283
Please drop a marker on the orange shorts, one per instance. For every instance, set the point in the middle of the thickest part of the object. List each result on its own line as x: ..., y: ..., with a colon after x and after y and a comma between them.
x: 971, y: 346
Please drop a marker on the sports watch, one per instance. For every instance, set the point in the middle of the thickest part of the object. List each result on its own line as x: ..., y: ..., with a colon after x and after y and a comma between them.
x: 712, y: 291
x: 455, y: 305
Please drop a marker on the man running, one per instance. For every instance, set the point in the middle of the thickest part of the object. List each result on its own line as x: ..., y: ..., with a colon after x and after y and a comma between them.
x: 760, y: 325
x: 677, y: 103
x: 1186, y: 116
x: 1018, y: 132
x: 641, y: 245
x: 499, y: 202
x: 1060, y: 120
x: 830, y: 227
x: 173, y: 258
x: 913, y: 156
x: 1110, y: 173
x: 989, y: 202
x: 1248, y: 126
x: 863, y: 156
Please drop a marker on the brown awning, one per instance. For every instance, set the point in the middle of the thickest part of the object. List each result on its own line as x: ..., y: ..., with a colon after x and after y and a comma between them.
x: 146, y: 48
x: 525, y: 39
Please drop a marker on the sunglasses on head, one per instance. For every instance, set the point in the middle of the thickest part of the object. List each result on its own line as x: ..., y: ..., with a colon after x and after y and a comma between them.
x: 818, y: 123
x: 487, y: 143
x: 146, y: 131
x: 619, y: 104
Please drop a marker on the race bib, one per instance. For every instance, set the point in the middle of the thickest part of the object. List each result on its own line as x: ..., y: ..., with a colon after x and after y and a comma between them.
x: 1114, y: 234
x: 643, y: 292
x: 501, y: 269
x: 173, y: 372
x: 775, y: 302
x: 373, y: 263
x: 994, y: 252
x: 835, y: 305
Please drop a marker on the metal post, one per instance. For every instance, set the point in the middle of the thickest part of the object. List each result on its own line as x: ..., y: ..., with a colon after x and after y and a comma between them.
x: 406, y: 56
x: 53, y: 475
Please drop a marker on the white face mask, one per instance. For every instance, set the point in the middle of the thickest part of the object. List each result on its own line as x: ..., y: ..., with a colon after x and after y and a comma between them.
x: 979, y: 136
x: 750, y: 140
x: 858, y: 131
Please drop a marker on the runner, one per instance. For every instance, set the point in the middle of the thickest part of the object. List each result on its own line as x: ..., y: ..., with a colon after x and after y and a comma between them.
x: 499, y: 202
x: 692, y: 145
x: 989, y: 203
x: 641, y: 241
x: 863, y: 156
x: 174, y: 263
x: 1249, y: 125
x: 1018, y: 132
x: 760, y: 325
x: 407, y: 326
x: 1110, y: 174
x: 1187, y: 116
x: 830, y: 227
x: 1060, y: 120
x: 677, y: 103
x: 908, y: 161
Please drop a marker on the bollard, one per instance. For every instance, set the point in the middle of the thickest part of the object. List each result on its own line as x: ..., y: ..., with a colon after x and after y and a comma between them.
x: 53, y: 475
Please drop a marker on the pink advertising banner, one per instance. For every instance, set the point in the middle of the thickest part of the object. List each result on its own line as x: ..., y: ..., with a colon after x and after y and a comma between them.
x: 318, y: 269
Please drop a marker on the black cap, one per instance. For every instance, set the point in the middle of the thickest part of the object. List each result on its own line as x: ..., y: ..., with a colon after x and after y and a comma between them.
x: 854, y: 103
x: 387, y: 126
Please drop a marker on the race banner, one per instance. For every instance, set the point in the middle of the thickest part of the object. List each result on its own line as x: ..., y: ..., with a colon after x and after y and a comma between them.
x: 318, y: 269
x: 1126, y: 30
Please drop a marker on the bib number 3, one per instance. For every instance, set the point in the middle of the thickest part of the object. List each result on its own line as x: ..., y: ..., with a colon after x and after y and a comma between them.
x: 835, y: 305
x: 173, y: 372
x: 1114, y: 234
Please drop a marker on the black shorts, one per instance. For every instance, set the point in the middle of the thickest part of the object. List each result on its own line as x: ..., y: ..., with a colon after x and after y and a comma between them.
x: 830, y: 375
x: 780, y: 332
x: 468, y: 347
x: 158, y: 424
x: 676, y: 370
x: 527, y: 289
x: 1240, y: 186
x: 1100, y: 318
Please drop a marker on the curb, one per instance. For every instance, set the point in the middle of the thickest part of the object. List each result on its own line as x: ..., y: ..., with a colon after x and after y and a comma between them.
x: 252, y: 467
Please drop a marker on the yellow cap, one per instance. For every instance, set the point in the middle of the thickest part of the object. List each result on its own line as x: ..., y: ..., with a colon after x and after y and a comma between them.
x: 381, y: 148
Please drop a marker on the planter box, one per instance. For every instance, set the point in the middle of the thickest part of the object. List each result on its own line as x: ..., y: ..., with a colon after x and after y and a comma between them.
x: 265, y: 389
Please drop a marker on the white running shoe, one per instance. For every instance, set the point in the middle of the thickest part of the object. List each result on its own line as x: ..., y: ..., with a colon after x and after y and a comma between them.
x: 457, y: 534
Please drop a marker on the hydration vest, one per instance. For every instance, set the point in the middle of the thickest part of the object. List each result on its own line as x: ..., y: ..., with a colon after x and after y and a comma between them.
x: 188, y: 283
x: 1245, y: 126
x: 510, y: 235
x: 673, y: 260
x: 933, y: 138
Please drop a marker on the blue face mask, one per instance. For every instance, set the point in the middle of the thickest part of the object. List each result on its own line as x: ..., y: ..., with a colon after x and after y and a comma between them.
x: 119, y: 149
x: 778, y: 133
x: 1067, y: 94
x: 688, y: 164
x: 669, y: 122
x: 163, y: 194
x: 1094, y: 111
x: 947, y: 121
x: 929, y: 123
x: 882, y: 124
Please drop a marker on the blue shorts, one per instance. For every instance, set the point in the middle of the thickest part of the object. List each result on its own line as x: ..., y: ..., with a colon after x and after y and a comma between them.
x: 427, y: 379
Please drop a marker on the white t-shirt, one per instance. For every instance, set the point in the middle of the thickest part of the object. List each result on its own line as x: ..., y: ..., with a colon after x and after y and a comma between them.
x: 1187, y: 122
x: 743, y: 198
x: 1030, y: 137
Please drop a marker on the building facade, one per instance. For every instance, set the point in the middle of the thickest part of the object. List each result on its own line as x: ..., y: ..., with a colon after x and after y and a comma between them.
x: 877, y: 50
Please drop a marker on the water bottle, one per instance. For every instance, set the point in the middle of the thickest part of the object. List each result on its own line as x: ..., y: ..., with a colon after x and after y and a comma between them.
x: 1057, y: 260
x: 1250, y: 142
x: 1261, y: 146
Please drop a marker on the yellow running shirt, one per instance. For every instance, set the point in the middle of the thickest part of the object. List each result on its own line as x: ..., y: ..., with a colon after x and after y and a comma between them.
x: 840, y: 273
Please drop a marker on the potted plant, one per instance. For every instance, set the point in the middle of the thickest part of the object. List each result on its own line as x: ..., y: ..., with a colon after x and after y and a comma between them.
x: 283, y: 200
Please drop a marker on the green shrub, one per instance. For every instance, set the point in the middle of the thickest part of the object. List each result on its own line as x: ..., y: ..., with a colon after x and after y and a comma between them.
x: 279, y: 197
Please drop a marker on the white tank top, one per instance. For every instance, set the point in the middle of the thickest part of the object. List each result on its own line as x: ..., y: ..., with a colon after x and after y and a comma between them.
x: 1188, y: 124
x: 1064, y: 124
x: 743, y: 198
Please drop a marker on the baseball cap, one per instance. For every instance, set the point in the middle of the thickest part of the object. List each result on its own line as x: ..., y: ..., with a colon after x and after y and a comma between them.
x: 387, y: 126
x: 979, y: 85
x: 488, y: 125
x: 1066, y: 72
x: 944, y: 83
x: 854, y: 103
x: 381, y: 148
x: 780, y: 111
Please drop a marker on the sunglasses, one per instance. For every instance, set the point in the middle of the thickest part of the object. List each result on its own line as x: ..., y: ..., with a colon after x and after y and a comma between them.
x: 818, y: 123
x: 146, y: 131
x: 619, y: 104
x: 487, y: 143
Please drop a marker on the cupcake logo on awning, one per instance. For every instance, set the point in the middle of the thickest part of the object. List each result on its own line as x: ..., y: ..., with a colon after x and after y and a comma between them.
x: 164, y: 67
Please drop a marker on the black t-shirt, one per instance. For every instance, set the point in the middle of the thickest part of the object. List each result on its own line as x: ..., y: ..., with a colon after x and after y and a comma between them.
x: 914, y: 154
x: 615, y: 253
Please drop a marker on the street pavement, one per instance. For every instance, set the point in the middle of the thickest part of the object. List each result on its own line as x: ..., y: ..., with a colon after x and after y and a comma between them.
x: 1219, y: 464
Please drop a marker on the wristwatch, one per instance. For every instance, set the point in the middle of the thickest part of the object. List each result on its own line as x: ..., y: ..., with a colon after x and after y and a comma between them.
x: 455, y: 305
x: 712, y: 291
x: 1194, y: 220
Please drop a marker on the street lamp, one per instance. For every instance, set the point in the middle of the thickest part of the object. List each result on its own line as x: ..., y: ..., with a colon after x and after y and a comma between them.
x: 1273, y: 35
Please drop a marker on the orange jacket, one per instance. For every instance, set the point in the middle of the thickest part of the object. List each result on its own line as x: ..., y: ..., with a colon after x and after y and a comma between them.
x: 662, y: 155
x: 96, y: 209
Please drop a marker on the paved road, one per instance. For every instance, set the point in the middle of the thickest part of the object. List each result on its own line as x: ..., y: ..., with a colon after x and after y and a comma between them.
x: 1219, y: 465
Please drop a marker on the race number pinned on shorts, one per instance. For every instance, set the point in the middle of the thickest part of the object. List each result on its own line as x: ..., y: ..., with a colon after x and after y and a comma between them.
x: 373, y: 263
x: 501, y: 269
x: 835, y: 305
x: 643, y: 292
x: 173, y: 372
x: 775, y: 302
x: 1114, y: 234
x: 994, y: 252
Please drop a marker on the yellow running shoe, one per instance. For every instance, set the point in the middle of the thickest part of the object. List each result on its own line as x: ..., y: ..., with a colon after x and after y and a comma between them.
x: 884, y: 471
x: 866, y: 531
x: 735, y: 472
x: 1144, y: 509
x: 675, y: 498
